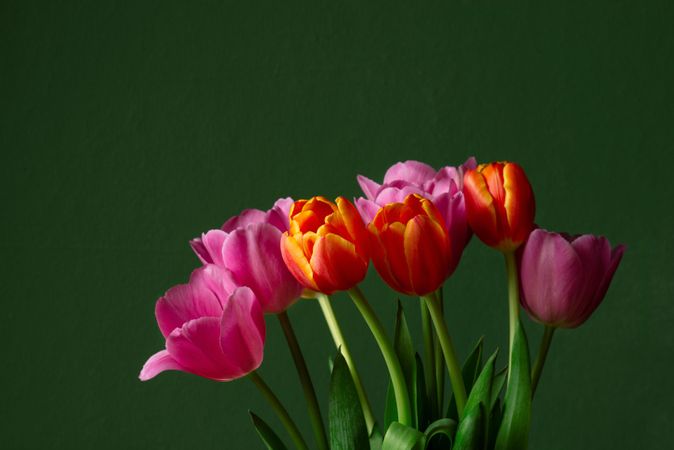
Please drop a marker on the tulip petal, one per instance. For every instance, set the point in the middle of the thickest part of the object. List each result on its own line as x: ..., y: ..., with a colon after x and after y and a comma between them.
x: 426, y: 253
x: 209, y: 247
x: 336, y: 264
x: 279, y: 214
x: 158, y: 363
x: 519, y: 203
x: 551, y: 276
x: 354, y: 225
x: 414, y: 172
x: 296, y: 261
x: 369, y: 187
x: 202, y: 297
x: 253, y: 255
x: 242, y: 331
x: 367, y: 209
x: 480, y: 208
x: 247, y: 217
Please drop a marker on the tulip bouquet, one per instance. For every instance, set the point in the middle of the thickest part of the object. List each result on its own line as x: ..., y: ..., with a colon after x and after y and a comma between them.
x: 414, y: 228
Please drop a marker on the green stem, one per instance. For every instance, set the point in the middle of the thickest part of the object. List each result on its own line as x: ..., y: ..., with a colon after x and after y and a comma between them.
x: 513, y: 302
x: 280, y: 410
x: 390, y: 358
x: 305, y: 379
x: 453, y: 367
x: 429, y: 356
x: 439, y: 360
x: 340, y: 343
x: 540, y: 358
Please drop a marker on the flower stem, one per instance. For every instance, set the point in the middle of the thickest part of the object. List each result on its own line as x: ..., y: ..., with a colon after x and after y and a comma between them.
x: 440, y: 361
x: 305, y: 379
x: 429, y: 356
x: 280, y: 410
x: 540, y: 358
x: 453, y: 367
x: 390, y: 358
x: 340, y: 343
x: 513, y: 302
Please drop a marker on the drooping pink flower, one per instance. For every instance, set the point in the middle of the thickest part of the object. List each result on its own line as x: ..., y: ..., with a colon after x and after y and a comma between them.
x: 564, y: 278
x: 213, y: 328
x: 443, y: 187
x: 248, y: 245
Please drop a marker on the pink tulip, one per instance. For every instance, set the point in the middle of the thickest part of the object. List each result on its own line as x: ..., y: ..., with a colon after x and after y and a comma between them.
x: 213, y: 328
x: 249, y: 246
x: 564, y: 278
x: 443, y: 187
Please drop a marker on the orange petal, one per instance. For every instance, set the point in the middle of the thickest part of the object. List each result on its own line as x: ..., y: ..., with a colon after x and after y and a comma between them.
x: 519, y: 203
x: 296, y: 261
x: 426, y: 253
x: 480, y: 208
x: 336, y: 264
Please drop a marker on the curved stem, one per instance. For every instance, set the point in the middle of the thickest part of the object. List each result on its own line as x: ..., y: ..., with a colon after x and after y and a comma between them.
x: 280, y: 410
x: 453, y: 367
x: 429, y: 357
x: 392, y: 363
x: 540, y: 358
x: 305, y: 379
x: 340, y: 343
x: 513, y: 302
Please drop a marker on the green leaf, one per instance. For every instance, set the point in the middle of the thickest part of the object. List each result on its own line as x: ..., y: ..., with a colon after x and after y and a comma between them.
x: 404, y: 348
x: 418, y: 393
x: 445, y: 427
x: 470, y: 370
x: 470, y: 435
x: 514, y: 431
x: 269, y: 438
x: 401, y: 437
x: 390, y: 411
x: 497, y: 385
x: 345, y: 415
x: 376, y: 439
x: 481, y: 390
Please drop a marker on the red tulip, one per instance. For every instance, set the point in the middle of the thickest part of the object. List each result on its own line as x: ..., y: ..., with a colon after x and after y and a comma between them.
x: 500, y: 204
x: 410, y: 246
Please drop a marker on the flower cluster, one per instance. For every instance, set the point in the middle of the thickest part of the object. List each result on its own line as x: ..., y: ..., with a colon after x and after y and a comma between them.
x: 414, y: 227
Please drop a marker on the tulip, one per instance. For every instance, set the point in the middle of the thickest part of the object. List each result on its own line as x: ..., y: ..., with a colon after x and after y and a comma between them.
x: 325, y: 247
x: 443, y: 187
x: 248, y: 245
x: 500, y: 204
x: 213, y: 328
x: 564, y: 278
x: 410, y: 245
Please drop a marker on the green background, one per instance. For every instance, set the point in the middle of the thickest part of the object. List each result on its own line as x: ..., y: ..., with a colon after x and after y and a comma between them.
x: 127, y: 129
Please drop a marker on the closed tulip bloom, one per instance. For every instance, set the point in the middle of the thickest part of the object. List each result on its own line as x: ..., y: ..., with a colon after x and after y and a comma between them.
x: 248, y: 245
x: 212, y: 327
x: 410, y: 245
x: 500, y: 204
x: 443, y: 187
x: 564, y: 278
x: 326, y: 245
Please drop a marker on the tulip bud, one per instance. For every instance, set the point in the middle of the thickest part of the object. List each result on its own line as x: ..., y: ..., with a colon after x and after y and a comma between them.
x: 500, y: 204
x: 411, y: 246
x: 325, y: 247
x: 565, y: 278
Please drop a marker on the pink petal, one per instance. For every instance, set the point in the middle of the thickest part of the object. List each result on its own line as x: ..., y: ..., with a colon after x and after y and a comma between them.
x: 203, y: 296
x: 242, y: 331
x: 367, y: 209
x: 414, y: 172
x: 397, y: 195
x: 200, y: 250
x: 209, y: 247
x: 247, y: 217
x: 196, y: 347
x: 158, y: 363
x: 253, y: 255
x: 369, y: 187
x: 279, y: 214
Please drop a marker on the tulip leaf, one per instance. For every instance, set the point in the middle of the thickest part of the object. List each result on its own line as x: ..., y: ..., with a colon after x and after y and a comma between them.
x: 345, y: 415
x: 513, y: 433
x: 470, y: 434
x: 441, y: 427
x: 481, y: 390
x: 404, y: 348
x: 497, y: 385
x: 418, y: 393
x: 470, y: 370
x: 376, y: 439
x: 401, y: 437
x: 390, y: 411
x: 268, y: 436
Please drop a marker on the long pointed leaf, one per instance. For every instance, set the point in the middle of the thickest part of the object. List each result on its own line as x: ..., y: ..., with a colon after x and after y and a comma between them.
x: 470, y: 435
x: 268, y: 436
x: 470, y: 370
x: 401, y: 437
x: 345, y: 415
x: 514, y: 431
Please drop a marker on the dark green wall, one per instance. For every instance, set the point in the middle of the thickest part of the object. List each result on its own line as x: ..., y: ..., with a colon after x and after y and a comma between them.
x: 125, y: 130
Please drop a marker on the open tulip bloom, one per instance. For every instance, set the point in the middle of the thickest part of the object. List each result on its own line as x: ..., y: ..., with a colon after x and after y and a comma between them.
x: 414, y: 226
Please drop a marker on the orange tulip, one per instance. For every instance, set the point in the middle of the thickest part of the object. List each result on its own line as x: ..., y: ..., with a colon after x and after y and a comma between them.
x: 411, y: 246
x: 326, y: 246
x: 500, y: 204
